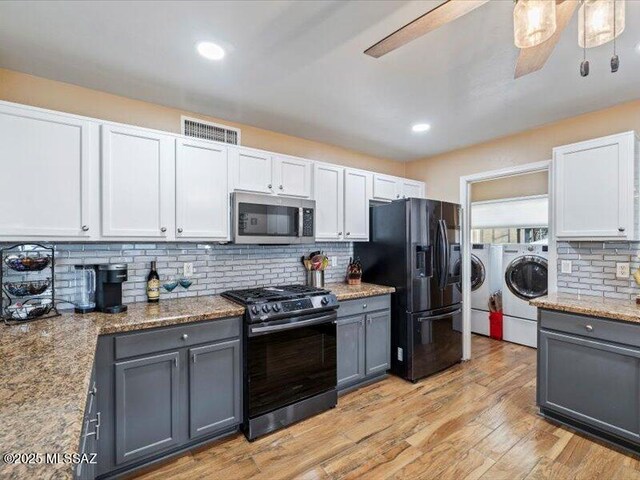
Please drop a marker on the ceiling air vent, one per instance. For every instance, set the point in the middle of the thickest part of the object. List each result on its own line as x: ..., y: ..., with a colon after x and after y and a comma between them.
x: 194, y: 127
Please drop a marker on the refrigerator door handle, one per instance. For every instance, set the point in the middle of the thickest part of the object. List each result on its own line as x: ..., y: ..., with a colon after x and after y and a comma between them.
x: 438, y: 317
x: 443, y: 261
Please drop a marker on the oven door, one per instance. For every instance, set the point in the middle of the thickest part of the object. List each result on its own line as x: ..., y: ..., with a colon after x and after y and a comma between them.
x: 265, y: 219
x: 289, y: 360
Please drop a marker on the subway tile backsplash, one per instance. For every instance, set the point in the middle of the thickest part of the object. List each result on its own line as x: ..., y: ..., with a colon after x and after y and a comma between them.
x: 594, y: 268
x: 216, y: 267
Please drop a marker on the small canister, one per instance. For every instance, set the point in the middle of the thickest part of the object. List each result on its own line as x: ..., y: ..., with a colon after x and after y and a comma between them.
x: 315, y: 278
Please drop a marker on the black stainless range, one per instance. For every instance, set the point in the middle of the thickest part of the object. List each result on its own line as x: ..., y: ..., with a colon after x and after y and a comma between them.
x: 289, y: 355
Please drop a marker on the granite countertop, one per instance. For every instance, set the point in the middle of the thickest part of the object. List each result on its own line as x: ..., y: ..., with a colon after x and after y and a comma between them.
x: 351, y: 292
x: 623, y: 310
x: 47, y: 368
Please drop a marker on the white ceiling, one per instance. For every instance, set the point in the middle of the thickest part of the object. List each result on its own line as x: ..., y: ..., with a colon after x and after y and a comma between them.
x: 298, y: 67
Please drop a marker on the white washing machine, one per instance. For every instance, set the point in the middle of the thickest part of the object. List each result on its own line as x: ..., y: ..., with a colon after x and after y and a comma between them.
x: 525, y: 278
x: 486, y: 260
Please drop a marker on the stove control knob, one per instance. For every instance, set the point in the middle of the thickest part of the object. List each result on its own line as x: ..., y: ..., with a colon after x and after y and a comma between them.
x: 255, y: 310
x: 276, y: 308
x: 265, y: 308
x: 324, y: 300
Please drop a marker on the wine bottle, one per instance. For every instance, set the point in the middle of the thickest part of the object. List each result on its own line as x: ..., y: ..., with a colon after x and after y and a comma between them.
x: 153, y: 285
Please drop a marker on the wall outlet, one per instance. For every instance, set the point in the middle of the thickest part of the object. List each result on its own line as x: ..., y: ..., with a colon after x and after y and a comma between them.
x: 333, y: 261
x: 187, y: 270
x: 565, y: 266
x: 400, y: 354
x: 622, y: 270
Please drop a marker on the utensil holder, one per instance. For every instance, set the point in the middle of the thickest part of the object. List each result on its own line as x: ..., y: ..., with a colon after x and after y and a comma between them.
x: 315, y: 278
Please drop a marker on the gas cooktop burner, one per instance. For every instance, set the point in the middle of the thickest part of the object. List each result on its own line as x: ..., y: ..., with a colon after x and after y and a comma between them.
x: 282, y: 301
x: 251, y: 296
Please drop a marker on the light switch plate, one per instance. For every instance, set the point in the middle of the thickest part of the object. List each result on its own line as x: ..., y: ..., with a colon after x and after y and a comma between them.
x: 400, y: 354
x: 187, y: 270
x: 622, y: 270
x: 565, y: 266
x: 333, y: 261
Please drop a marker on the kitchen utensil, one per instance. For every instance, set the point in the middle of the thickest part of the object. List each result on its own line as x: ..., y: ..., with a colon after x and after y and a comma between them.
x: 315, y: 278
x: 354, y: 272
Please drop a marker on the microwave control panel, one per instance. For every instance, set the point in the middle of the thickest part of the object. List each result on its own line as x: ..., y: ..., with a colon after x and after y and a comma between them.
x: 307, y: 222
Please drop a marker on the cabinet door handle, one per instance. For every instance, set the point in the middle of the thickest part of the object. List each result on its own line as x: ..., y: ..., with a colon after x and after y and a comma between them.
x: 348, y: 233
x: 281, y: 187
x: 589, y: 328
x: 175, y: 362
x: 621, y: 229
x: 85, y: 228
x: 163, y: 229
x: 194, y: 356
x: 269, y: 186
x: 339, y: 233
x: 398, y: 195
x: 179, y: 230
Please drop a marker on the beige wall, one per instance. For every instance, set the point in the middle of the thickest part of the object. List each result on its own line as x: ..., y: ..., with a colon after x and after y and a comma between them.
x: 517, y: 186
x: 442, y: 172
x: 40, y: 92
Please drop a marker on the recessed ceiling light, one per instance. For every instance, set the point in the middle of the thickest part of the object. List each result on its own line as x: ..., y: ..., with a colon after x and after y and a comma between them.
x: 210, y: 50
x: 421, y: 127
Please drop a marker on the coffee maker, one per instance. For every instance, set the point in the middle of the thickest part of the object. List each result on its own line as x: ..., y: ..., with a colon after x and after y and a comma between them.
x: 109, y: 280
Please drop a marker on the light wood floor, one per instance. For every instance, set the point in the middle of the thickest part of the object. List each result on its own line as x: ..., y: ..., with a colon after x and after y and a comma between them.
x: 475, y: 421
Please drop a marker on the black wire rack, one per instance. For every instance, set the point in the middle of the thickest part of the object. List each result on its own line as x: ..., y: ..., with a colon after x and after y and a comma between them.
x: 27, y: 278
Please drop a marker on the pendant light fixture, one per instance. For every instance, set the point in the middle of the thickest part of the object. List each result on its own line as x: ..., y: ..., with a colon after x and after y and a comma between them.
x: 534, y: 21
x: 600, y: 21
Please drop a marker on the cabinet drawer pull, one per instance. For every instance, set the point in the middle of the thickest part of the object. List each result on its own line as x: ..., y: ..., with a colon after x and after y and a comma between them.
x: 194, y: 356
x: 589, y: 328
x: 364, y: 305
x: 85, y: 228
x: 184, y: 336
x: 96, y: 432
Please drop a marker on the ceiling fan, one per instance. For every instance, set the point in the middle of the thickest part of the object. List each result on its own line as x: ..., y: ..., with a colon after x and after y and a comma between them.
x: 538, y: 25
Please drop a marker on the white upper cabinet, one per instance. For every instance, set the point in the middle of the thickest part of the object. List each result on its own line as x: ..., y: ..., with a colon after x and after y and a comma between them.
x: 385, y: 187
x: 138, y: 183
x: 388, y: 188
x: 357, y: 193
x: 292, y: 176
x: 49, y: 175
x: 202, y: 190
x: 251, y: 170
x: 328, y: 189
x: 595, y: 186
x: 411, y: 188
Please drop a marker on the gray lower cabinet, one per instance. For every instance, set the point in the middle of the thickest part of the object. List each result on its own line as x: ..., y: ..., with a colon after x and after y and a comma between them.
x: 214, y: 387
x: 378, y: 342
x: 363, y: 340
x: 351, y: 350
x: 147, y: 405
x: 86, y: 468
x: 155, y: 403
x: 588, y: 380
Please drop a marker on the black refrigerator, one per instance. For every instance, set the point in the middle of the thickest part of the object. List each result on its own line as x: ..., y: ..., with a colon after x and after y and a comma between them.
x: 414, y: 246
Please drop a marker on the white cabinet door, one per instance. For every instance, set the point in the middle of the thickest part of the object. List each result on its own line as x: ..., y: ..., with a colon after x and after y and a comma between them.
x: 202, y: 190
x: 412, y: 189
x: 386, y: 187
x: 328, y: 187
x: 138, y: 183
x: 292, y: 176
x: 251, y: 170
x: 594, y: 188
x: 357, y: 193
x: 49, y: 163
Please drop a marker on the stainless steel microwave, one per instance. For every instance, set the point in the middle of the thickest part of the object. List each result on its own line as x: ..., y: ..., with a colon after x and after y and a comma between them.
x: 267, y: 219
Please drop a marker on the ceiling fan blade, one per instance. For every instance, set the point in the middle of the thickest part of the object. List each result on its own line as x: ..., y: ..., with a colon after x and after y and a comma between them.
x: 442, y: 14
x: 533, y: 59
